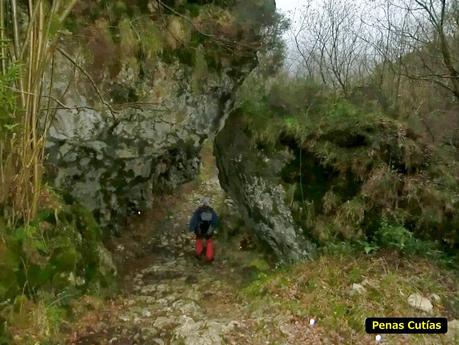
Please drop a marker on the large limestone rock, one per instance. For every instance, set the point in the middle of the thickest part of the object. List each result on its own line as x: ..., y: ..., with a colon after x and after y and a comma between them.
x: 453, y: 330
x: 140, y: 85
x: 113, y: 160
x: 251, y: 179
x: 419, y: 302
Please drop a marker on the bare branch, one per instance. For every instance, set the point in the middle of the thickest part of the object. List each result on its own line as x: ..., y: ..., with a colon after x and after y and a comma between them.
x: 92, y: 82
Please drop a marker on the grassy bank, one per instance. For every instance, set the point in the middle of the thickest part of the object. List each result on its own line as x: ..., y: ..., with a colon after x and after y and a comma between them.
x: 323, y: 290
x: 355, y: 172
x: 45, y: 265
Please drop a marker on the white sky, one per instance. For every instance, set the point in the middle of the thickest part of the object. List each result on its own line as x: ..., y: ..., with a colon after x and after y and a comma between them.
x: 285, y: 6
x: 288, y: 7
x: 291, y: 8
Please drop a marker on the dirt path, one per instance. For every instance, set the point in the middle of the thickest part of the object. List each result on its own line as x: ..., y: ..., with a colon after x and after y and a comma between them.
x: 168, y: 296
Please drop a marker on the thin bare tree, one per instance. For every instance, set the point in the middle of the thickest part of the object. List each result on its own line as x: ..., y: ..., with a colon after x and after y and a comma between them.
x: 430, y: 34
x: 328, y: 42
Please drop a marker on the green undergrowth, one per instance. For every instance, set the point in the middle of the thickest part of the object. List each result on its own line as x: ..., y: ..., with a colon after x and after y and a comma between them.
x: 209, y: 36
x: 47, y: 263
x: 352, y: 171
x: 322, y: 289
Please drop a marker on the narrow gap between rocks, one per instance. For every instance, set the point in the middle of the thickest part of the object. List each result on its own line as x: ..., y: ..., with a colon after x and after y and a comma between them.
x: 167, y: 296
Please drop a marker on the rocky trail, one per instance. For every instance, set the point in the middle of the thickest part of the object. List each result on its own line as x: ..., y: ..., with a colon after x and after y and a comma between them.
x: 167, y: 295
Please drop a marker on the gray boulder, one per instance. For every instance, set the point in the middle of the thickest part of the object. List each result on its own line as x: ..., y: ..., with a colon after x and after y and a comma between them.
x: 113, y: 161
x: 250, y: 178
x: 417, y: 301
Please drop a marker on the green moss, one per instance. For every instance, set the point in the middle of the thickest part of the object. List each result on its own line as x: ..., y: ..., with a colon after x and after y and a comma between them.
x: 128, y: 41
x: 138, y: 33
x: 119, y: 8
x: 10, y: 264
x: 200, y: 70
x: 151, y: 38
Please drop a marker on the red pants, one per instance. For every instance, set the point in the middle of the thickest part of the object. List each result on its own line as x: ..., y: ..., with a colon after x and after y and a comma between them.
x: 209, y: 248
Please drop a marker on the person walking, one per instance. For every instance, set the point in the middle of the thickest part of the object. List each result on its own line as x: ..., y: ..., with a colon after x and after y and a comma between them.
x: 203, y: 223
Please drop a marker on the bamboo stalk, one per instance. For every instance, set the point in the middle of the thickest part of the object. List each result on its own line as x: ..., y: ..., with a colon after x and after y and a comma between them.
x: 28, y: 130
x: 15, y: 27
x: 67, y: 10
x: 2, y: 169
x: 47, y: 122
x: 33, y: 15
x: 32, y: 49
x: 16, y: 48
x: 2, y: 35
x: 35, y: 108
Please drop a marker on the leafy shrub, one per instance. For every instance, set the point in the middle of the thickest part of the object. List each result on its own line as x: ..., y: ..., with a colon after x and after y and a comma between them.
x: 62, y: 248
x: 399, y: 238
x: 395, y: 236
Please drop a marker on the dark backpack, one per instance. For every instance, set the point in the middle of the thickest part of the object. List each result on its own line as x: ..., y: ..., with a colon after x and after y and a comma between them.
x: 205, y: 219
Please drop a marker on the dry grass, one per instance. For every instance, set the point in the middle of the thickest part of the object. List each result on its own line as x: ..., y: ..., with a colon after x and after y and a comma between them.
x: 321, y: 289
x: 31, y: 322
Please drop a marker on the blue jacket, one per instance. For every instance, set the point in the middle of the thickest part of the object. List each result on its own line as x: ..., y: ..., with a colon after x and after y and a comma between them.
x: 194, y: 222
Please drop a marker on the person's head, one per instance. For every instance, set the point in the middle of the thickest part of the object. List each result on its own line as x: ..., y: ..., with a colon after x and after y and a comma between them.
x: 205, y: 201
